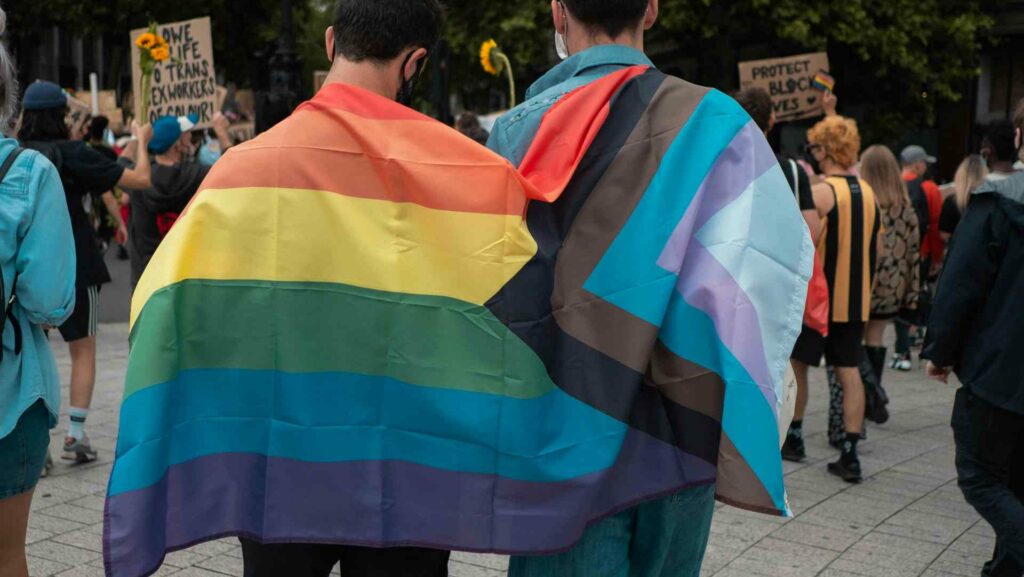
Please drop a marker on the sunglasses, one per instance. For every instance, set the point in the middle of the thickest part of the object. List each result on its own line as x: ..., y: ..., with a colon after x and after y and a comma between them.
x: 810, y: 148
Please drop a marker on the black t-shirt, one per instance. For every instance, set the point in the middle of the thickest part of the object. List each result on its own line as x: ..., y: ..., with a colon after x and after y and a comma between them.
x: 173, y: 188
x: 83, y: 172
x: 949, y: 219
x: 798, y: 181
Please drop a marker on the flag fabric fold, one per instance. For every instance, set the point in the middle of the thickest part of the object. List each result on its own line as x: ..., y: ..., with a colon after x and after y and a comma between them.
x: 366, y: 329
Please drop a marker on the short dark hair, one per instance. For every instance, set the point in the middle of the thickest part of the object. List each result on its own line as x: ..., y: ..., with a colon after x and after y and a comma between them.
x: 379, y: 30
x: 1000, y: 138
x: 43, y: 125
x: 758, y: 105
x: 98, y: 127
x: 611, y: 16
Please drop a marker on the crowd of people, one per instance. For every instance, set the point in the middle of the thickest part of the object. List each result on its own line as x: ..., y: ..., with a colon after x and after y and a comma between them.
x: 893, y: 248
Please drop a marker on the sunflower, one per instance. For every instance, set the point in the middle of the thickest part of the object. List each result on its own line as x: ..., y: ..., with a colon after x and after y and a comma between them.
x: 160, y: 42
x: 487, y: 57
x: 160, y: 54
x: 146, y: 41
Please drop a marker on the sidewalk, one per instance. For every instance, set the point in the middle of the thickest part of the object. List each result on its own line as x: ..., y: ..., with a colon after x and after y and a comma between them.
x: 907, y: 519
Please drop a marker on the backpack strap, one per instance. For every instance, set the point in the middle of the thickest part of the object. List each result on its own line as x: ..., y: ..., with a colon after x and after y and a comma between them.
x: 8, y: 301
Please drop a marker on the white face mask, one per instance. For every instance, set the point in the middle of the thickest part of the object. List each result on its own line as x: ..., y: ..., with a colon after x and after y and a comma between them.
x: 560, y: 46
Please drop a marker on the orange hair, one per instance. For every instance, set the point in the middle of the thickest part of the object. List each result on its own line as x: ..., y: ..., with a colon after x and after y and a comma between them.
x: 839, y: 137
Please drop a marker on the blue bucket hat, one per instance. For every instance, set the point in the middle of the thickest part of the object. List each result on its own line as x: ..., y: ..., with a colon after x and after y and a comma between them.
x: 168, y: 129
x: 43, y: 95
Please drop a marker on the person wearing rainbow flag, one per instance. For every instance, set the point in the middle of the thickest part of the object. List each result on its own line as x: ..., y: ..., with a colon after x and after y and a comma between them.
x: 370, y: 340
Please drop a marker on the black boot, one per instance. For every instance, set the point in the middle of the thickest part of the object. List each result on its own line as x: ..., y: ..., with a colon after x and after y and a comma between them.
x: 793, y: 449
x: 876, y: 397
x: 847, y: 467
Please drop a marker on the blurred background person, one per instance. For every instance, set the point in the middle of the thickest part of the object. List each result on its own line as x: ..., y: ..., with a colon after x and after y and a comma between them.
x: 971, y: 174
x: 37, y: 289
x: 84, y: 172
x: 898, y: 274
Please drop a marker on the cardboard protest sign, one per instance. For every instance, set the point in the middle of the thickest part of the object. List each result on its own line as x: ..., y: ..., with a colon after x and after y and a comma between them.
x: 78, y: 115
x: 185, y: 83
x: 790, y: 83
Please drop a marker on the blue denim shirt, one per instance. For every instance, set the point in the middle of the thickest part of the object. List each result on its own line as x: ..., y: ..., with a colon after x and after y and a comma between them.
x: 514, y: 132
x: 36, y: 246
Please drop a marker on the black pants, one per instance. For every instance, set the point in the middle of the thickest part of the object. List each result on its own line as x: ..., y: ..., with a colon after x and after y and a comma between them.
x: 302, y: 560
x: 990, y: 467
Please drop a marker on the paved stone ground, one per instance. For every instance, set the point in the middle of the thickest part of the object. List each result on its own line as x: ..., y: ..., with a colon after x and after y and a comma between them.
x: 907, y: 519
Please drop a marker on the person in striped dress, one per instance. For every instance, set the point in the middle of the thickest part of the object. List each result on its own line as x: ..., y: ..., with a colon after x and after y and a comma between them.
x: 847, y: 246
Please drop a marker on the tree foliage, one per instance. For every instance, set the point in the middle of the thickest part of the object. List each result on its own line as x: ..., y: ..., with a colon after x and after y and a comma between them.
x: 898, y: 59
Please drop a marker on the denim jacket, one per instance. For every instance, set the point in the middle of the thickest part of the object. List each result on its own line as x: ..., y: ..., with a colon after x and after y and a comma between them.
x: 36, y: 246
x: 514, y: 132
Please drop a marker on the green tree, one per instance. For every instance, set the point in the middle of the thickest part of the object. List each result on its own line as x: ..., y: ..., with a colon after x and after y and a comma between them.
x: 896, y: 60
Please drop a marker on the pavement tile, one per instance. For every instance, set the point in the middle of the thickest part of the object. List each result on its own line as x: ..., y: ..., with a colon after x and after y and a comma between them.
x: 73, y: 513
x: 51, y: 524
x: 831, y: 538
x: 925, y: 527
x: 184, y: 558
x: 223, y: 564
x: 197, y: 572
x: 82, y: 539
x: 776, y: 558
x: 62, y: 553
x: 456, y: 569
x: 83, y: 571
x: 39, y: 567
x: 499, y: 562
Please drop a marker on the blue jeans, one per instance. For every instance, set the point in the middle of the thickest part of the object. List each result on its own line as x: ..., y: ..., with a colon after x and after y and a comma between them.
x: 662, y: 538
x: 23, y: 452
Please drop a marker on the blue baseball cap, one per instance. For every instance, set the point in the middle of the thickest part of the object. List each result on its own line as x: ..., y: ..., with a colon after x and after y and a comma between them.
x: 43, y: 95
x: 168, y: 129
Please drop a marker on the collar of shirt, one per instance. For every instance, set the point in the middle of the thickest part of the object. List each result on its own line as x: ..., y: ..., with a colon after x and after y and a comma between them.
x: 590, y: 62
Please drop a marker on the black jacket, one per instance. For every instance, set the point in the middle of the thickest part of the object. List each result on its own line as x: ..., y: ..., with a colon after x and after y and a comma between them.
x: 977, y: 320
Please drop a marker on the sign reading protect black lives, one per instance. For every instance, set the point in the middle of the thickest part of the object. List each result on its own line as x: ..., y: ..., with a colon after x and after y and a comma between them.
x: 790, y: 83
x: 186, y: 83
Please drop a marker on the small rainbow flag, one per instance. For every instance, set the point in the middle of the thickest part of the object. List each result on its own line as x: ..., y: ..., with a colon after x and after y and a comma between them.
x: 368, y: 330
x: 824, y: 82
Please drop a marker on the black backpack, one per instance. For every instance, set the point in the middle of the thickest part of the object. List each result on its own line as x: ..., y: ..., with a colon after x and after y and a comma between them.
x: 8, y: 300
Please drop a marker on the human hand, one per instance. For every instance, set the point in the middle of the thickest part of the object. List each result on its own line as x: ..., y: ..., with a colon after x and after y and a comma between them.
x: 940, y: 374
x: 142, y: 132
x: 221, y: 122
x: 831, y: 102
x: 121, y: 236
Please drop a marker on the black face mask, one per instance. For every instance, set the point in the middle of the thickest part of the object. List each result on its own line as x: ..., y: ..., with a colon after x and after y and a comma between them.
x: 408, y: 87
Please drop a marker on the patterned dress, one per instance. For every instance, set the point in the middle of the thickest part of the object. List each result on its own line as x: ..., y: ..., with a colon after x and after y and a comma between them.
x: 899, y: 273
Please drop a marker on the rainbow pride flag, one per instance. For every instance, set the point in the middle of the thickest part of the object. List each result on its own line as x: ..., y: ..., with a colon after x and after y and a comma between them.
x: 368, y: 330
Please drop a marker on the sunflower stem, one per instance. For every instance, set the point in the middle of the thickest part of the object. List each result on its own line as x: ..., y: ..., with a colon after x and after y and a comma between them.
x: 511, y: 79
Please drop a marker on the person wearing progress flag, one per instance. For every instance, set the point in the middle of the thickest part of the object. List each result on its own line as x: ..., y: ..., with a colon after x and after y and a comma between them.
x: 356, y: 344
x: 656, y: 294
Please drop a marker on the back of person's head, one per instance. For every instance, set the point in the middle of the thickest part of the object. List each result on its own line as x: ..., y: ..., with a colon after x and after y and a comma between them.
x: 98, y: 128
x: 839, y: 137
x: 971, y: 174
x: 758, y: 105
x: 1000, y: 141
x: 380, y: 30
x: 8, y: 82
x: 467, y: 122
x: 44, y: 108
x: 879, y: 168
x: 612, y: 17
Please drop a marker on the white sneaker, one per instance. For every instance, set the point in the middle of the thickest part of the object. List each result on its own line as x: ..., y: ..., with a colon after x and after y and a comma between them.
x: 901, y: 364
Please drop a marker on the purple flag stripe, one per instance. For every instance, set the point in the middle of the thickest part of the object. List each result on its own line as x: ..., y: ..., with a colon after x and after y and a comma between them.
x: 708, y: 286
x: 380, y: 503
x: 728, y: 179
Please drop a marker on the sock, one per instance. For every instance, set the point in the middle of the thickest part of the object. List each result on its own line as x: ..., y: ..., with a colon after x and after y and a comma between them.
x: 796, y: 429
x: 77, y: 429
x: 849, y: 446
